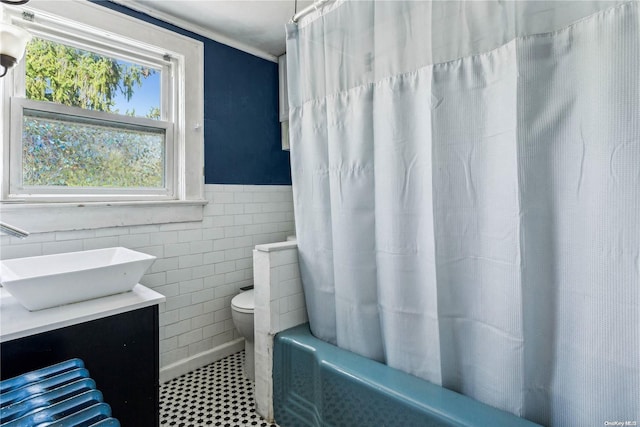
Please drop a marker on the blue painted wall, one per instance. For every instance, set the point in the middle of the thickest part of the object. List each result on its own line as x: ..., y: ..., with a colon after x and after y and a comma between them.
x: 241, y: 117
x: 241, y: 127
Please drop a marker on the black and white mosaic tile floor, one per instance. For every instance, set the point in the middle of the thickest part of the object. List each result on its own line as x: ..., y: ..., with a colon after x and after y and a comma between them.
x: 215, y: 395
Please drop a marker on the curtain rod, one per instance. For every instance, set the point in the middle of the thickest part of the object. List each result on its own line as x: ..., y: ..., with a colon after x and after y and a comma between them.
x: 307, y: 10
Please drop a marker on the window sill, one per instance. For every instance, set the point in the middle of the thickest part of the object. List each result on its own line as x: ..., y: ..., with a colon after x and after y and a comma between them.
x: 46, y: 217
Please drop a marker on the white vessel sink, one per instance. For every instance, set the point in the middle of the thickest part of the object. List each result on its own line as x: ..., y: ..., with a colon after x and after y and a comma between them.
x: 51, y: 280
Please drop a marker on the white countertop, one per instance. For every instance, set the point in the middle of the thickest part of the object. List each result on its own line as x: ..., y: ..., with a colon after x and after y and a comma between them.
x: 17, y: 322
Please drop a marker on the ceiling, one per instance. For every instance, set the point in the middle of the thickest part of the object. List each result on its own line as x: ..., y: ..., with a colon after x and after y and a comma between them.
x: 255, y: 26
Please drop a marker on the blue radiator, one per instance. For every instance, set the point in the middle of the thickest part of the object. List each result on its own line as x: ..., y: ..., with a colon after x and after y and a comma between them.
x: 61, y: 395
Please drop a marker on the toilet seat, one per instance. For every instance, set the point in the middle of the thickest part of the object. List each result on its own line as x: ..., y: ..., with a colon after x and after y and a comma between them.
x: 243, y: 302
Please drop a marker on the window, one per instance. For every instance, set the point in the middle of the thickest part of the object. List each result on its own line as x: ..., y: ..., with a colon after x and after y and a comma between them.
x: 67, y: 150
x: 98, y: 113
x: 88, y: 121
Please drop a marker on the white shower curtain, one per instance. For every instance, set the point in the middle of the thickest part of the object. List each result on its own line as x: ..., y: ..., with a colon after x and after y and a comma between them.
x: 466, y: 181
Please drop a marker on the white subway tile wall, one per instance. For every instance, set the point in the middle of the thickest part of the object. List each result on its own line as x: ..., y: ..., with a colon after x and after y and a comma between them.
x: 200, y: 265
x: 279, y: 305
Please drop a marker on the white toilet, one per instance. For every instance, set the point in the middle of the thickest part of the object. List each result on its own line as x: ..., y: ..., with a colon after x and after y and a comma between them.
x: 242, y: 306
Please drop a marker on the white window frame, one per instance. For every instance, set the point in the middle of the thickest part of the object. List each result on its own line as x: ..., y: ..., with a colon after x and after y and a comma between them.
x: 111, y: 33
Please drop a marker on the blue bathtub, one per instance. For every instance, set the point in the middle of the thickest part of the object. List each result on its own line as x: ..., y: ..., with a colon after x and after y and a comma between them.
x: 317, y: 384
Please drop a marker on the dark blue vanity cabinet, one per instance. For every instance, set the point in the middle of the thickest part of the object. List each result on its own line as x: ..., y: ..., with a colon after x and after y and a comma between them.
x: 120, y: 351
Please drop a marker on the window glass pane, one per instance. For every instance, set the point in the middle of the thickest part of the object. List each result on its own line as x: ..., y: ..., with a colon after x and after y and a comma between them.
x: 78, y: 78
x: 66, y: 151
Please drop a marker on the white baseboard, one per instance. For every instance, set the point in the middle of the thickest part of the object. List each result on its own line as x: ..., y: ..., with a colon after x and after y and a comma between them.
x: 205, y: 358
